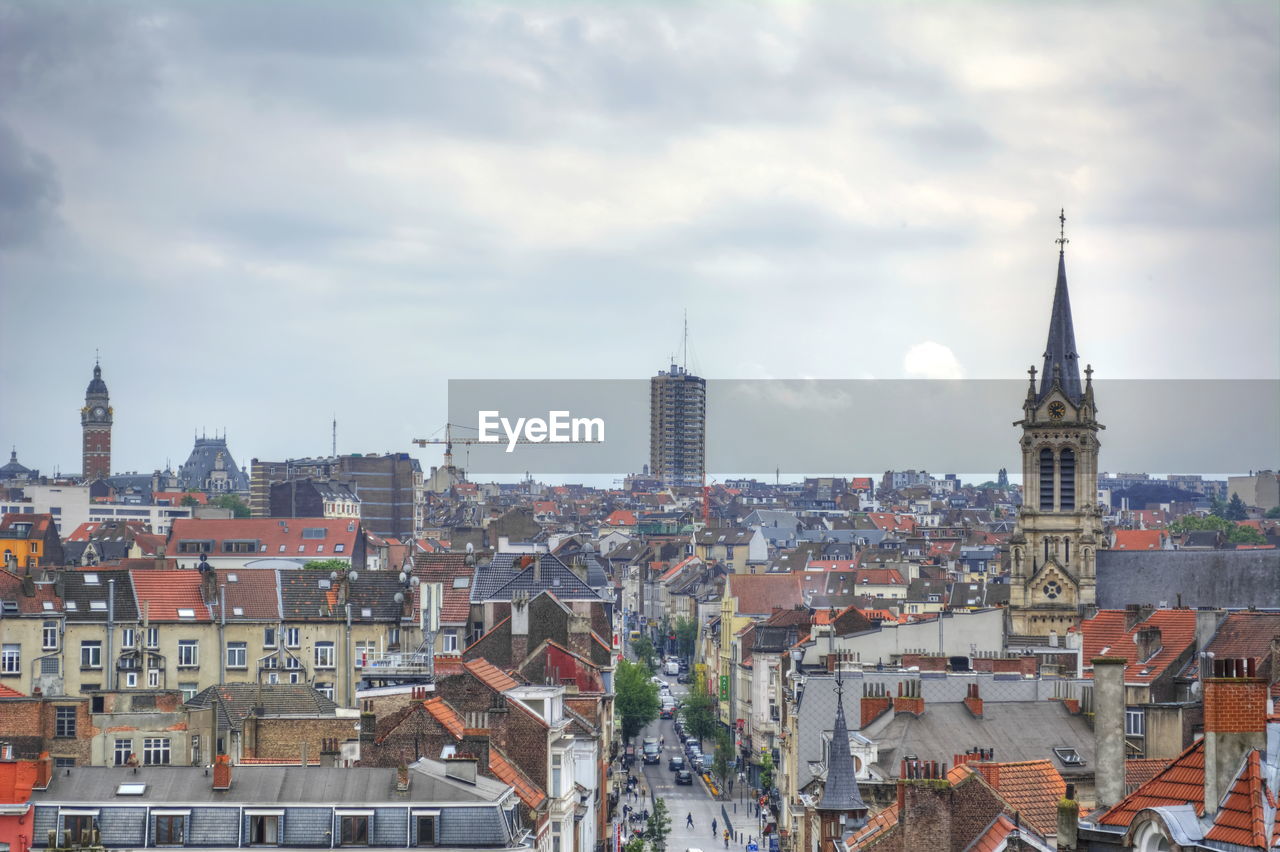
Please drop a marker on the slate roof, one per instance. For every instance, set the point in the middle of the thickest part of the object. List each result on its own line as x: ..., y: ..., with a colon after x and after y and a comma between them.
x: 372, y: 596
x: 1105, y: 635
x: 1060, y: 348
x: 546, y: 574
x: 235, y: 701
x: 720, y: 535
x: 166, y: 592
x: 82, y: 588
x: 840, y: 790
x: 1229, y: 579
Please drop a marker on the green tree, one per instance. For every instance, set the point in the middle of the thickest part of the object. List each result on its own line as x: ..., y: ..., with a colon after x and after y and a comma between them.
x: 1217, y: 507
x: 766, y: 771
x: 1236, y: 510
x: 636, y: 844
x: 642, y: 648
x: 1191, y: 523
x: 724, y: 753
x: 700, y: 711
x: 1273, y: 512
x: 1241, y: 534
x: 327, y: 565
x: 190, y: 501
x: 659, y: 825
x: 636, y: 698
x: 234, y: 503
x: 686, y: 636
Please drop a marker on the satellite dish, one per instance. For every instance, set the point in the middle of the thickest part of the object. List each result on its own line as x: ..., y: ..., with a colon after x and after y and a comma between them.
x: 471, y: 548
x: 353, y: 576
x: 403, y: 576
x: 399, y: 597
x: 333, y: 575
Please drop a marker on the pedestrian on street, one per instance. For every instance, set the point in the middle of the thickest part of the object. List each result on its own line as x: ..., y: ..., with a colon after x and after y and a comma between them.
x: 688, y: 821
x: 726, y: 838
x: 713, y: 826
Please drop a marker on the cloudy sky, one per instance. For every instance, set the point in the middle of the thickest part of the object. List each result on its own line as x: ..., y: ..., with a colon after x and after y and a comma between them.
x: 263, y: 214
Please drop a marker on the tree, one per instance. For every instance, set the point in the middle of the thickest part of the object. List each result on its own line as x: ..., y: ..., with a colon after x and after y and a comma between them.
x: 329, y: 565
x: 642, y: 648
x: 1236, y: 510
x: 1217, y: 506
x: 686, y: 636
x: 659, y: 825
x: 700, y: 711
x: 724, y: 753
x: 636, y: 844
x: 1241, y: 534
x: 190, y: 501
x: 636, y: 697
x: 766, y: 771
x: 1273, y: 512
x: 234, y: 503
x: 1191, y: 523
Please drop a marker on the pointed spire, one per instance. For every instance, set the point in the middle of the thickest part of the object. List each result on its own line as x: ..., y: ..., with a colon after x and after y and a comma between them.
x: 1061, y: 361
x: 841, y: 790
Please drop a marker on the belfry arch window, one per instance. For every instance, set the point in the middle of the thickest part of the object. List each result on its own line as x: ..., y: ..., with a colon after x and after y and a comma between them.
x: 1046, y: 480
x: 1067, y: 480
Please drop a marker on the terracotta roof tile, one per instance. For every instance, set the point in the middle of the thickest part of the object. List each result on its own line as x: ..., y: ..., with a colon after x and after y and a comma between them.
x: 1141, y: 770
x: 1179, y: 783
x: 1138, y: 540
x: 1105, y: 635
x: 758, y: 594
x: 875, y: 826
x: 490, y: 675
x: 252, y: 594
x: 1242, y: 818
x: 1246, y: 635
x: 449, y: 570
x: 508, y: 773
x: 170, y: 595
x: 1031, y: 787
x: 272, y: 534
x: 10, y: 692
x: 445, y: 715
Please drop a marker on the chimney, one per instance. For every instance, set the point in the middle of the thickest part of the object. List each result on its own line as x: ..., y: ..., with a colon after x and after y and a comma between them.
x: 1235, y: 723
x: 1148, y: 640
x: 876, y: 701
x: 973, y: 701
x: 909, y: 699
x: 402, y: 779
x: 1068, y: 820
x: 1132, y: 616
x: 368, y: 728
x: 222, y: 772
x: 519, y: 627
x: 1207, y: 620
x: 329, y: 755
x: 461, y: 768
x: 303, y: 758
x: 44, y: 771
x: 1108, y: 728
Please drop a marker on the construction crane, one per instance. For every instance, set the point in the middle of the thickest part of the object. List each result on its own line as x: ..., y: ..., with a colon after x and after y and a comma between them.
x: 448, y: 440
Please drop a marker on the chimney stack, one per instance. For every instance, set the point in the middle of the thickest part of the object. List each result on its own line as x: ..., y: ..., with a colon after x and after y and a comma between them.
x: 461, y: 768
x: 1148, y: 640
x: 1068, y: 821
x: 1108, y: 727
x: 44, y: 771
x: 222, y: 772
x: 1235, y: 723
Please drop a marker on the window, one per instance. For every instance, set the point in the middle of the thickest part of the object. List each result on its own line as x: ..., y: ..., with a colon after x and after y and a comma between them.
x: 324, y: 655
x: 78, y: 825
x: 195, y: 749
x: 292, y: 662
x: 153, y: 637
x: 291, y: 637
x: 325, y: 688
x: 169, y: 829
x: 450, y: 640
x: 153, y: 678
x: 11, y: 659
x: 1046, y: 480
x: 49, y: 636
x: 1067, y: 480
x: 237, y: 655
x: 393, y: 637
x: 91, y: 654
x: 268, y: 637
x: 189, y: 690
x: 264, y: 830
x: 339, y: 548
x: 64, y: 721
x: 363, y: 651
x: 127, y: 637
x: 123, y: 748
x: 555, y: 837
x: 355, y: 830
x: 1134, y: 722
x: 131, y: 680
x: 426, y: 831
x: 188, y: 653
x: 155, y: 751
x: 557, y: 770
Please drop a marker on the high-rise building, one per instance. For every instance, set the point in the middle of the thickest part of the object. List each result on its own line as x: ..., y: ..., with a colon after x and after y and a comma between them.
x: 677, y: 427
x: 95, y: 424
x: 1054, y: 546
x: 389, y: 487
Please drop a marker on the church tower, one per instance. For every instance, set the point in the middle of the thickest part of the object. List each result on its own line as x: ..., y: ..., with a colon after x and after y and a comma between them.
x: 95, y: 423
x: 1053, y: 550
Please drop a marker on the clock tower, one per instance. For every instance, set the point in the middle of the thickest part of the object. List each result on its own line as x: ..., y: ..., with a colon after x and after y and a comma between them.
x: 1053, y: 550
x: 95, y: 423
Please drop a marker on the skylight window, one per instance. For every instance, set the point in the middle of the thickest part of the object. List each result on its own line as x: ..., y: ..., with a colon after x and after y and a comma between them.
x: 325, y: 584
x: 98, y: 605
x: 70, y: 605
x: 186, y: 613
x: 48, y: 606
x: 366, y: 612
x: 237, y: 610
x: 232, y: 578
x: 461, y: 582
x: 131, y: 789
x: 91, y: 579
x: 1069, y: 756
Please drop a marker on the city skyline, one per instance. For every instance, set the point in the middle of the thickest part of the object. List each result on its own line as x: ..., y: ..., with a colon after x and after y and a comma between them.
x: 315, y: 223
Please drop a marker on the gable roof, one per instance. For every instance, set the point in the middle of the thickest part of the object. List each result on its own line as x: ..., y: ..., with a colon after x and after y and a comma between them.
x: 445, y: 715
x: 1179, y: 783
x: 758, y: 594
x: 170, y: 595
x: 1138, y: 540
x: 235, y: 702
x: 83, y: 589
x: 542, y: 573
x: 1032, y: 788
x: 272, y: 534
x: 455, y: 575
x: 252, y: 594
x: 1106, y: 635
x: 490, y: 675
x: 530, y: 793
x: 1242, y: 817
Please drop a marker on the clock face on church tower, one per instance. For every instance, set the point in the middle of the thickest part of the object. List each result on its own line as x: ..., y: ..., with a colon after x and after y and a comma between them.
x: 98, y: 411
x: 1057, y: 409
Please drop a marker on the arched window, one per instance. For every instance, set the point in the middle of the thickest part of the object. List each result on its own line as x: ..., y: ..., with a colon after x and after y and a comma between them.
x: 1046, y: 480
x: 1067, y: 479
x: 1066, y: 550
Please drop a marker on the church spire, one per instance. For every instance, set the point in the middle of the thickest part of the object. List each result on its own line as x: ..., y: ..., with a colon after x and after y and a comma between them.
x: 840, y: 793
x: 1061, y: 361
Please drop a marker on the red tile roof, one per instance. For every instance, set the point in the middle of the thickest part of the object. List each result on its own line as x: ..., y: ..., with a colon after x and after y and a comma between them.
x: 891, y: 522
x: 445, y: 715
x: 169, y: 591
x: 1105, y: 635
x: 1031, y: 787
x: 997, y: 834
x: 1242, y: 817
x: 860, y: 483
x: 448, y: 569
x: 252, y: 593
x: 1141, y: 770
x: 1138, y: 540
x: 490, y: 675
x: 507, y: 772
x: 875, y: 826
x: 758, y: 594
x: 620, y: 518
x: 1246, y: 635
x: 271, y: 535
x: 176, y: 498
x: 10, y: 692
x: 1181, y: 782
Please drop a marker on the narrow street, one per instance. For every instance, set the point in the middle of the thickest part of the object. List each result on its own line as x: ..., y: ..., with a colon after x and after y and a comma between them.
x: 695, y: 799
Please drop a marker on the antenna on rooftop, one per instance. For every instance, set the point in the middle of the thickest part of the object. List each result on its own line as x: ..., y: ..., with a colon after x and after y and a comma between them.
x: 684, y: 354
x: 334, y: 452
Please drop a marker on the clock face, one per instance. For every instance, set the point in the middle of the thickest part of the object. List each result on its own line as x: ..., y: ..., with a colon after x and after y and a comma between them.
x: 1057, y: 409
x: 99, y: 411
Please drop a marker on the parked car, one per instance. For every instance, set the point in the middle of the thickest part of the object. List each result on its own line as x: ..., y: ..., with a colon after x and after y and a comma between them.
x: 665, y: 712
x: 684, y: 776
x: 683, y: 678
x: 676, y: 763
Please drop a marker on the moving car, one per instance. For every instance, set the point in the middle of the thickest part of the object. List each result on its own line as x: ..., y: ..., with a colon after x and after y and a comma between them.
x: 683, y: 678
x: 652, y: 751
x: 665, y: 712
x: 676, y: 763
x: 672, y: 667
x: 684, y: 776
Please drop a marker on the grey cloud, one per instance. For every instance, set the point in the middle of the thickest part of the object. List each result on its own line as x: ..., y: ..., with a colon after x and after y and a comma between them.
x: 29, y: 191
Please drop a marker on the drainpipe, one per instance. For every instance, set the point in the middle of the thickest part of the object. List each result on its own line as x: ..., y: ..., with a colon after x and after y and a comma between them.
x: 347, y: 692
x: 222, y: 637
x: 111, y: 626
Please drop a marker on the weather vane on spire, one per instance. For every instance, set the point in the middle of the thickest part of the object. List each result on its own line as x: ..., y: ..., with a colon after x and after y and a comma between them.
x: 1062, y: 230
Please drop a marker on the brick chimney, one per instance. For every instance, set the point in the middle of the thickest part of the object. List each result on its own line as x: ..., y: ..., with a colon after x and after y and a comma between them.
x: 222, y: 772
x: 461, y: 768
x: 44, y: 771
x: 973, y: 702
x: 909, y: 699
x: 1068, y: 821
x: 876, y: 701
x: 1235, y: 723
x: 1108, y: 728
x: 1149, y: 641
x: 520, y: 627
x: 402, y: 779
